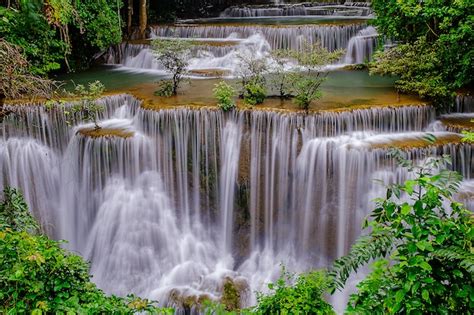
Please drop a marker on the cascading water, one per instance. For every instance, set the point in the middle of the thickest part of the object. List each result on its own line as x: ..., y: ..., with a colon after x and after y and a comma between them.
x: 219, y: 46
x: 299, y: 9
x: 180, y: 201
x: 361, y: 47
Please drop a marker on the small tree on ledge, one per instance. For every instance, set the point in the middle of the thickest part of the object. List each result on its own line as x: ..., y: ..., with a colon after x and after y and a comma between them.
x: 307, y: 83
x: 174, y: 55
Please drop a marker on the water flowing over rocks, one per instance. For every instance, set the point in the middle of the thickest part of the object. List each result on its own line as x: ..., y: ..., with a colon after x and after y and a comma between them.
x: 191, y: 198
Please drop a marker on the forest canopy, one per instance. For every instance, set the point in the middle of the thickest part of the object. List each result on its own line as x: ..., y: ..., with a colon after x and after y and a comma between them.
x: 61, y: 33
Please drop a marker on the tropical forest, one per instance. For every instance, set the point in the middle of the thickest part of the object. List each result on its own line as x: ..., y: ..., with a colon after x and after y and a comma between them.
x: 218, y: 157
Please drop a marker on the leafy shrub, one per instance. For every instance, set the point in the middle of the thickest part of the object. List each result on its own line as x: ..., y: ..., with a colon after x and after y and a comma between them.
x: 39, y: 277
x: 446, y: 30
x: 254, y: 92
x: 165, y: 88
x: 306, y: 84
x: 306, y: 90
x: 423, y: 250
x: 174, y: 55
x: 304, y: 297
x: 224, y: 94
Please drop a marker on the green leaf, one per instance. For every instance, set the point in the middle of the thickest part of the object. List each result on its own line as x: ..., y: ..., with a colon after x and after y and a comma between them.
x: 425, y: 294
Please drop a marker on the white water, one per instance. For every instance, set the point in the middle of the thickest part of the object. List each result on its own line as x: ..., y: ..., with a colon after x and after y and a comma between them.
x: 196, y: 197
x: 221, y: 45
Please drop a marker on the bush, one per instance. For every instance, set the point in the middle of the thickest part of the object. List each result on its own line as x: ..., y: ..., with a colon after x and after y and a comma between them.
x: 174, y: 55
x: 423, y: 250
x: 39, y: 277
x: 254, y: 92
x: 165, y: 88
x: 304, y: 297
x: 306, y: 90
x: 224, y: 94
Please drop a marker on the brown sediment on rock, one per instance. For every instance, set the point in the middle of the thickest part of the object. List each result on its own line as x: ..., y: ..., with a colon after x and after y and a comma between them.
x: 188, y: 301
x: 418, y: 142
x: 106, y: 133
x: 209, y: 72
x: 197, y: 42
x: 459, y: 123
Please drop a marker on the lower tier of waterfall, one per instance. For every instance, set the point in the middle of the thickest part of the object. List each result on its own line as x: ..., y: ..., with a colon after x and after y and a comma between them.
x: 182, y: 200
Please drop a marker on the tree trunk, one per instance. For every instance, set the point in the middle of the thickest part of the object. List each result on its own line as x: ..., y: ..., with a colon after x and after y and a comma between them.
x: 142, y: 18
x: 129, y: 20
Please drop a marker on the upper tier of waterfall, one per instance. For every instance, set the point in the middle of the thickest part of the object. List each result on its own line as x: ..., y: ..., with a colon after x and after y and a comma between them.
x: 300, y: 9
x: 192, y: 197
x: 218, y: 47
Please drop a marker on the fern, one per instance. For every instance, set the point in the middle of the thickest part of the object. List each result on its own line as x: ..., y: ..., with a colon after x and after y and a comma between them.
x: 453, y: 253
x: 366, y: 248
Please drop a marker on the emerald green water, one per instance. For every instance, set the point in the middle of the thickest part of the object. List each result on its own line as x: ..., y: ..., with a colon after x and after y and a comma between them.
x: 343, y: 88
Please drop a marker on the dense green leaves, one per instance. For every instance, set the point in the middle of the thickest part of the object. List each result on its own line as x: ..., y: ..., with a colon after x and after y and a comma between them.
x: 225, y: 96
x: 49, y: 32
x: 174, y: 55
x: 426, y: 262
x: 438, y: 44
x: 37, y: 276
x: 305, y: 296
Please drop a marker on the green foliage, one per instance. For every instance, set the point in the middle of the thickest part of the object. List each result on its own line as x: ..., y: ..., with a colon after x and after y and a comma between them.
x: 87, y: 108
x: 14, y: 213
x: 225, y: 96
x: 305, y: 296
x: 100, y: 21
x: 45, y: 30
x: 468, y: 136
x: 423, y: 250
x: 306, y: 84
x: 252, y: 70
x: 306, y: 89
x: 254, y: 92
x: 165, y: 88
x: 445, y: 27
x: 39, y: 277
x: 417, y: 66
x: 28, y: 28
x: 230, y: 296
x: 174, y: 56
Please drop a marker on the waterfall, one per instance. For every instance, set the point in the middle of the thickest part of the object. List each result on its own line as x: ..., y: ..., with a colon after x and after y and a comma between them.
x: 230, y: 154
x: 182, y: 199
x: 299, y: 9
x: 361, y: 47
x: 289, y: 36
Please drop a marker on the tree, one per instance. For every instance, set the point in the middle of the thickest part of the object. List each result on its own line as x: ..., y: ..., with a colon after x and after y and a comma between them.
x: 417, y: 66
x: 282, y: 78
x: 39, y: 277
x: 423, y: 250
x: 142, y: 18
x: 252, y: 70
x: 306, y: 84
x: 45, y: 30
x: 129, y: 17
x: 444, y: 27
x: 174, y: 56
x: 16, y: 79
